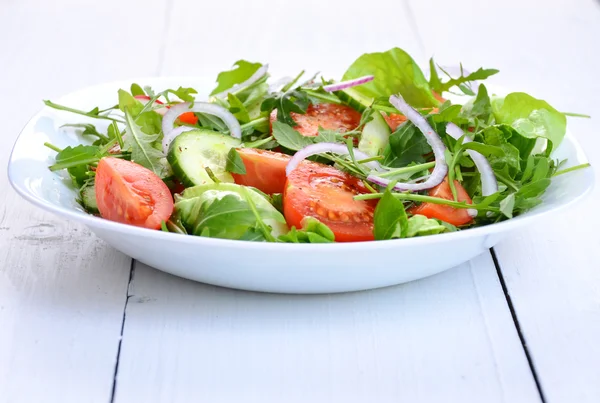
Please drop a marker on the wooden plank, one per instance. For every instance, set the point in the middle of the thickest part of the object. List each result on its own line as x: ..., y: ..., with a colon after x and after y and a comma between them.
x: 62, y: 290
x: 550, y: 269
x: 446, y: 338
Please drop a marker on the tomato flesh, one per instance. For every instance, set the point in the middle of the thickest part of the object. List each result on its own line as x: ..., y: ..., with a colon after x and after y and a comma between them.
x: 394, y: 120
x: 131, y: 194
x: 451, y: 215
x: 265, y: 170
x: 327, y: 194
x: 340, y: 118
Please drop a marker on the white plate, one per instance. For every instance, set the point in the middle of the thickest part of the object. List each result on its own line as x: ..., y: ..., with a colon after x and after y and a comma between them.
x: 284, y: 268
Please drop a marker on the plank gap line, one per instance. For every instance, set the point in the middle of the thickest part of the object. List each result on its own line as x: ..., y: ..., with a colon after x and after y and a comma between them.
x: 128, y: 295
x: 515, y: 319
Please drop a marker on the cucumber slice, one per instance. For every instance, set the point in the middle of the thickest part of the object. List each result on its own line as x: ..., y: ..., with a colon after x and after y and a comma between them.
x: 375, y: 136
x: 191, y: 152
x: 88, y: 199
x: 352, y: 98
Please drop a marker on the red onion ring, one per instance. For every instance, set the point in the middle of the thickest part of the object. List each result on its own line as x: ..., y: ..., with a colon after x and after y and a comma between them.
x: 321, y: 148
x: 169, y: 137
x: 262, y: 70
x: 437, y: 145
x: 489, y: 184
x: 347, y: 84
x: 202, y: 107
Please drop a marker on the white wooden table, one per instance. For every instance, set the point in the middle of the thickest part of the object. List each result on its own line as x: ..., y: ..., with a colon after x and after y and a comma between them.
x: 80, y: 322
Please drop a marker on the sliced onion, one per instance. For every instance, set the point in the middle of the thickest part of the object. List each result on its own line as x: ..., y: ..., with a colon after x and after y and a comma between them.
x: 168, y: 138
x: 262, y: 70
x: 347, y: 84
x: 437, y: 145
x: 201, y: 107
x: 279, y: 84
x: 321, y: 148
x: 489, y: 184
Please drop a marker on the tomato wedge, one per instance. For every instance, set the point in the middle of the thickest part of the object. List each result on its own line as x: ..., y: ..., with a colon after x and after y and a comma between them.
x: 394, y: 120
x: 131, y: 194
x: 326, y: 193
x: 188, y: 117
x: 451, y: 215
x: 265, y: 170
x: 341, y: 118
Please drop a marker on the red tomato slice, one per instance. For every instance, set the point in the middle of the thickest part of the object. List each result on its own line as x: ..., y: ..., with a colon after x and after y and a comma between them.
x: 265, y: 170
x: 451, y: 215
x: 329, y: 116
x: 326, y: 193
x: 131, y: 194
x: 188, y: 117
x: 394, y: 120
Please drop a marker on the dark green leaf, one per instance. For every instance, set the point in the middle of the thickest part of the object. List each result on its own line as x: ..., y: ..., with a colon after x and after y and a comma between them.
x: 390, y: 219
x: 77, y: 161
x: 408, y: 145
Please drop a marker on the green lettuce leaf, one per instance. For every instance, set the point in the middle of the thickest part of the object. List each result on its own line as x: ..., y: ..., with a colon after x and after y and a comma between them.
x: 313, y: 231
x: 531, y: 117
x: 395, y: 72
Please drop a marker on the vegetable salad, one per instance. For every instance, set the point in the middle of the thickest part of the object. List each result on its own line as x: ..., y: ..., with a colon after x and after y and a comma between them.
x: 380, y: 154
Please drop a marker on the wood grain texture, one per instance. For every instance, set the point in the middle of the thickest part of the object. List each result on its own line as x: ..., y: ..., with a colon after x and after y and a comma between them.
x: 551, y: 270
x: 62, y: 290
x: 446, y: 338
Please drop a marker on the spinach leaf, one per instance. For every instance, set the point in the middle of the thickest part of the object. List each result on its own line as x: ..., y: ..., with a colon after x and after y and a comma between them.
x: 395, y: 72
x: 390, y: 219
x: 241, y: 72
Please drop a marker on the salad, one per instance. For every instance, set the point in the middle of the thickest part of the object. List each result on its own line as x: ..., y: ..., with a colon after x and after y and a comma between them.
x: 379, y: 154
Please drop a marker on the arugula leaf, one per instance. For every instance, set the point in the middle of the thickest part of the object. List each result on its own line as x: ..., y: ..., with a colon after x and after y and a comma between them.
x: 254, y: 235
x: 95, y: 113
x: 237, y: 108
x: 479, y: 108
x: 313, y: 231
x: 183, y: 93
x: 241, y: 72
x: 438, y: 86
x: 234, y: 163
x: 286, y: 103
x: 507, y: 205
x: 395, y: 72
x: 142, y: 150
x: 289, y: 138
x: 531, y: 117
x: 90, y: 130
x: 127, y: 101
x: 419, y: 225
x: 77, y: 160
x: 390, y: 219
